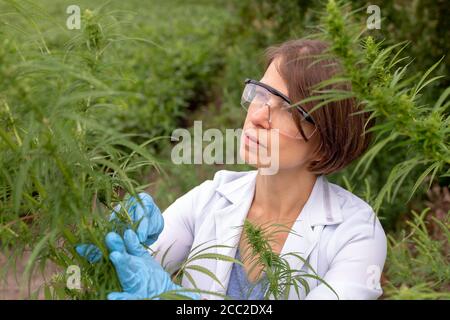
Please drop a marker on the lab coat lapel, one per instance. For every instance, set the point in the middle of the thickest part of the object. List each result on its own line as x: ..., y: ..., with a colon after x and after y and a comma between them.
x: 316, y: 212
x: 320, y: 209
x: 229, y: 220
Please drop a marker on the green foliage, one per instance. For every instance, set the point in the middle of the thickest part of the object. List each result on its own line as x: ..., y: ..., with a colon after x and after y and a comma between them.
x: 280, y: 277
x: 268, y: 22
x: 61, y: 168
x: 66, y: 156
x: 417, y: 265
x: 403, y: 119
x: 165, y: 67
x: 412, y: 115
x: 83, y: 112
x: 422, y: 24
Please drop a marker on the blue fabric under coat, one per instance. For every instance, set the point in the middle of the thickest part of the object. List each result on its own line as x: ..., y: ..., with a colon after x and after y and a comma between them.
x: 239, y: 288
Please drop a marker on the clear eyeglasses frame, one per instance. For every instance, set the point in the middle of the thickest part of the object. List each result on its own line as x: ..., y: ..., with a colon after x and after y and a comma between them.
x: 280, y: 110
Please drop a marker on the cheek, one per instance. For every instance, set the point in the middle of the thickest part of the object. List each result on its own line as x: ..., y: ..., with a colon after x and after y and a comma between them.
x: 246, y: 122
x: 294, y: 153
x: 291, y: 152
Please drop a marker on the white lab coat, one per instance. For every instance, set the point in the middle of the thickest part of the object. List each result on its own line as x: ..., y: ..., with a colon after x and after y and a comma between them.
x: 336, y: 231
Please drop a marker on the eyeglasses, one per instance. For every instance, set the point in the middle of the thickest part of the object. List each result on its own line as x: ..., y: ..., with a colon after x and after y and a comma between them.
x: 257, y: 95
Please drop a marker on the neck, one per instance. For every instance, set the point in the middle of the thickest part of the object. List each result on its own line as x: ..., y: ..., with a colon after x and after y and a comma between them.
x: 282, y: 196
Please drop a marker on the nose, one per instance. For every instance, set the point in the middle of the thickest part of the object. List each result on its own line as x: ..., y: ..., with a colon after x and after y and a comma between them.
x: 260, y: 117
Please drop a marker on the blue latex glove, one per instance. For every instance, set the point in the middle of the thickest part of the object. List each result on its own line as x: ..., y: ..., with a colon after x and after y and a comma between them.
x: 139, y: 274
x: 89, y: 251
x: 150, y: 226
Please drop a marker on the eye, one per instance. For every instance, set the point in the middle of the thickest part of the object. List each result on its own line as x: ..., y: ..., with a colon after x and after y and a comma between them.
x: 252, y: 92
x: 259, y: 96
x: 286, y: 107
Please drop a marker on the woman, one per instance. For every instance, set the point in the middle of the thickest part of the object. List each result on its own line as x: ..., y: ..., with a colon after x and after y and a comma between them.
x: 336, y: 232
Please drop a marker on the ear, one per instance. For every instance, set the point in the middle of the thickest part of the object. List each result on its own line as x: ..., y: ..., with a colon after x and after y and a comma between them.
x: 316, y: 161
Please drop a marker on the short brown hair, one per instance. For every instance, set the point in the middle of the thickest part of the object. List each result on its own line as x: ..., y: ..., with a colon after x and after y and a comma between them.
x: 343, y: 135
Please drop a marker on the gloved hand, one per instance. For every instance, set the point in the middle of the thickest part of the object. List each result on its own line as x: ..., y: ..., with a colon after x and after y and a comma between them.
x: 150, y: 226
x: 139, y: 274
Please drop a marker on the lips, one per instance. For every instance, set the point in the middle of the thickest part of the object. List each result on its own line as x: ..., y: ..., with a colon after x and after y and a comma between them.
x: 254, y: 139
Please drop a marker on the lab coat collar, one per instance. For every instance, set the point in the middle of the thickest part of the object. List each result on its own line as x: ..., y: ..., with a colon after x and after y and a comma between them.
x: 322, y: 204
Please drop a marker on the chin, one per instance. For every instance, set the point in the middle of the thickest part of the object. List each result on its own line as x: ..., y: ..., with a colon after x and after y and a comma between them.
x: 251, y: 159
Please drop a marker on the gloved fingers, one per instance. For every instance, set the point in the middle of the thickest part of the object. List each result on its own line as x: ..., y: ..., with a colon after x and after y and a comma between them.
x: 114, y: 242
x: 142, y: 230
x: 151, y: 239
x: 155, y: 227
x: 81, y: 249
x: 156, y: 224
x: 141, y: 210
x: 122, y: 264
x: 146, y: 199
x: 153, y: 210
x: 89, y: 251
x: 152, y: 224
x: 130, y: 206
x: 121, y: 296
x: 132, y: 244
x: 135, y: 209
x: 115, y: 211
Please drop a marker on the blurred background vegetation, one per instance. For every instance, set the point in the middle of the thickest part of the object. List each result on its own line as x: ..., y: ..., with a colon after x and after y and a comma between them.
x: 160, y: 65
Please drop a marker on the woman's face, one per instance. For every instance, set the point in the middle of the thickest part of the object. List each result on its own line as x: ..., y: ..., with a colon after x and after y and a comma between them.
x: 292, y: 153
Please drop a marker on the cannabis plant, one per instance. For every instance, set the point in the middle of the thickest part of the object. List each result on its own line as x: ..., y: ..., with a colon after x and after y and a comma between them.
x: 381, y: 84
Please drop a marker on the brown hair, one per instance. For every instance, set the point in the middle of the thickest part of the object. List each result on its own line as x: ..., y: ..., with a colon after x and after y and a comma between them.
x: 343, y: 136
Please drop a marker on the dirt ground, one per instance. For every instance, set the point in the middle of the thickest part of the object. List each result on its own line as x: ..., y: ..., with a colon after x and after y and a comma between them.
x: 10, y: 284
